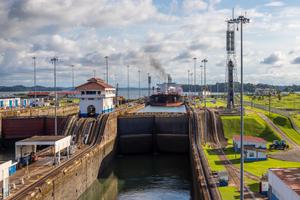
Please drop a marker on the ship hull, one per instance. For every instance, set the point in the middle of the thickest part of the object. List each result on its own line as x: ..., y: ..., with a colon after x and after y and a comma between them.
x: 167, y: 100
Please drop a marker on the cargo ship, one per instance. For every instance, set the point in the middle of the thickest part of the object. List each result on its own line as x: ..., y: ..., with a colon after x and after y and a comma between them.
x: 167, y: 94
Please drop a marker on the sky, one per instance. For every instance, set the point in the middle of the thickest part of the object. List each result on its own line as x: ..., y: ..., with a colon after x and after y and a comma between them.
x: 154, y: 36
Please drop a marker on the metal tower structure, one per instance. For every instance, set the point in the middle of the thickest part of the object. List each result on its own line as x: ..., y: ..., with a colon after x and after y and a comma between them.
x: 231, y: 75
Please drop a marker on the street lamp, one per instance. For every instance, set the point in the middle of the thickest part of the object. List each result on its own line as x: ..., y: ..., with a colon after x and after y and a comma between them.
x: 34, y: 78
x: 189, y: 90
x: 128, y: 82
x: 139, y: 71
x: 73, y: 85
x: 106, y: 61
x: 54, y: 61
x: 195, y: 60
x: 204, y: 61
x: 242, y: 20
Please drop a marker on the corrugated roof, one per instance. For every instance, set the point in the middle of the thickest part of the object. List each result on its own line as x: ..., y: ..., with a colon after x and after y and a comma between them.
x: 249, y: 139
x: 94, y: 84
x: 290, y: 176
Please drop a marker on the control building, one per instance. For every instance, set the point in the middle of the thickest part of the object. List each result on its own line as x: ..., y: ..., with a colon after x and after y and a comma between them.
x: 96, y: 97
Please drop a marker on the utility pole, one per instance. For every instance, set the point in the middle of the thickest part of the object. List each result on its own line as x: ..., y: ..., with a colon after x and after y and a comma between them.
x: 242, y: 20
x: 94, y: 72
x: 73, y: 85
x: 128, y: 82
x: 34, y: 78
x: 106, y: 60
x: 195, y: 60
x: 189, y: 83
x: 54, y: 61
x: 139, y: 83
x: 204, y: 95
x: 201, y: 83
x: 269, y: 102
x: 149, y: 84
x: 205, y: 86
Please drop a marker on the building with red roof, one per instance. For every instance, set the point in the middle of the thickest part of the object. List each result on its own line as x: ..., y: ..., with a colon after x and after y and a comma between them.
x: 96, y: 97
x: 255, y: 147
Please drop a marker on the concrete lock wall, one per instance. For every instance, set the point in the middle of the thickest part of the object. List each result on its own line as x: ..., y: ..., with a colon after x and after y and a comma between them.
x: 154, y: 132
x: 74, y: 179
x: 23, y: 127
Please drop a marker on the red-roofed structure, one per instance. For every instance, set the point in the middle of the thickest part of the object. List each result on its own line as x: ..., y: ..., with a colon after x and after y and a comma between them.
x: 96, y: 97
x: 38, y: 94
x: 94, y: 84
x: 248, y: 138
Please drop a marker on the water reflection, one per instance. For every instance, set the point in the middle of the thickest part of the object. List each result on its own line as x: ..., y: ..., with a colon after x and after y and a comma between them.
x: 144, y: 177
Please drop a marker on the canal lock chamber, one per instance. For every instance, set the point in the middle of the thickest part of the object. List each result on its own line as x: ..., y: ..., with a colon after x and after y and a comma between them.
x: 151, y: 161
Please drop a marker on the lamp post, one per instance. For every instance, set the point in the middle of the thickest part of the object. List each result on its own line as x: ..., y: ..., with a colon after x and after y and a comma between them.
x: 189, y: 90
x: 242, y: 20
x: 195, y: 60
x: 204, y: 61
x: 73, y: 85
x: 54, y: 61
x: 139, y: 71
x: 34, y: 78
x: 201, y: 83
x: 106, y: 61
x: 128, y: 82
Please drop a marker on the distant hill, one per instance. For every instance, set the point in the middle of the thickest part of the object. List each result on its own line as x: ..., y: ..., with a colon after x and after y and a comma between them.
x: 218, y: 87
x: 248, y: 87
x: 21, y: 88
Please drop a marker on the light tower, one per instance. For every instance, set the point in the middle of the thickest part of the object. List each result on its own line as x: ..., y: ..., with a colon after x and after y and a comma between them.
x: 231, y: 61
x: 54, y: 60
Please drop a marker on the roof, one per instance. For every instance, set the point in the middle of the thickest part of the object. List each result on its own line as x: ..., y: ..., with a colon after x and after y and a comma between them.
x: 248, y: 138
x: 42, y: 139
x: 94, y: 84
x: 290, y: 176
x: 38, y: 94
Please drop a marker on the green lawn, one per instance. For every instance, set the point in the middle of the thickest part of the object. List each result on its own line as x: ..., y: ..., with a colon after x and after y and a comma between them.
x: 291, y: 101
x: 258, y: 167
x: 254, y: 126
x: 229, y: 193
x: 283, y: 123
x: 212, y: 158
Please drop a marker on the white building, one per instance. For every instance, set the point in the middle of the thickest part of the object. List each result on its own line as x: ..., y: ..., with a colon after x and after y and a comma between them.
x: 255, y: 148
x: 249, y: 141
x: 4, y: 177
x: 10, y: 102
x: 254, y: 154
x: 264, y: 91
x: 284, y: 183
x: 96, y: 97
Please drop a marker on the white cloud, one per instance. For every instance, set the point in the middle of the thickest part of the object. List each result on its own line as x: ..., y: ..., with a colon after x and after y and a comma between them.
x: 130, y: 32
x: 194, y: 5
x: 275, y: 4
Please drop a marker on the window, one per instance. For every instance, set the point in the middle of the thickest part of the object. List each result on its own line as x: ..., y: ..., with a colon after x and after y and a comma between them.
x: 251, y: 154
x: 99, y: 92
x: 91, y: 99
x: 82, y: 92
x: 90, y: 92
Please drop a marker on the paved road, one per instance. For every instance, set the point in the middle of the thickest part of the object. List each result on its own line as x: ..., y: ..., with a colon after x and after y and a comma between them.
x: 293, y: 153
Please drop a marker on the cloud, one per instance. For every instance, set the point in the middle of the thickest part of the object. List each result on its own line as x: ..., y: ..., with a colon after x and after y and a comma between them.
x: 194, y: 5
x: 296, y: 60
x: 275, y: 4
x: 273, y: 58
